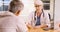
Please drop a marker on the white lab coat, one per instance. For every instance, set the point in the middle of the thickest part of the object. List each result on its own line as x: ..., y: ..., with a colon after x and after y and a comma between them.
x: 11, y: 23
x: 43, y: 20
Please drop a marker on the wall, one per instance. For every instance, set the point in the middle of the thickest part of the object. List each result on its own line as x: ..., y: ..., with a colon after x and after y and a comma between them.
x: 57, y: 14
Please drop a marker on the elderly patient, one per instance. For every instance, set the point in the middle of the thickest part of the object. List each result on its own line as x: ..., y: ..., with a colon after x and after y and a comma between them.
x: 9, y: 20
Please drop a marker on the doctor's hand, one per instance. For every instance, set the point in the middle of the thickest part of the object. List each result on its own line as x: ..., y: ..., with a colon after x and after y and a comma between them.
x: 44, y: 26
x: 41, y: 26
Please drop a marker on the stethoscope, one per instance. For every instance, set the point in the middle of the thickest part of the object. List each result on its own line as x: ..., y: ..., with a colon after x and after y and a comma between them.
x: 35, y: 16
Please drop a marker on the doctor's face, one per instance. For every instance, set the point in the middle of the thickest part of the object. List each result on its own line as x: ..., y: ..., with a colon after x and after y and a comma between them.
x: 38, y: 7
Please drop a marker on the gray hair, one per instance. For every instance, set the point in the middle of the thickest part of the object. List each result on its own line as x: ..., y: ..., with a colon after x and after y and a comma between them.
x: 15, y: 6
x: 38, y: 2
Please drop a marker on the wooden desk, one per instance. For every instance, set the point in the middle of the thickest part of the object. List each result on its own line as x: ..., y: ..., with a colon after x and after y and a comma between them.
x: 39, y: 30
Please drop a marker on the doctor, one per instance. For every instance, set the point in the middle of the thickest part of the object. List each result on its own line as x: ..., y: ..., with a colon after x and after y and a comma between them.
x: 38, y: 18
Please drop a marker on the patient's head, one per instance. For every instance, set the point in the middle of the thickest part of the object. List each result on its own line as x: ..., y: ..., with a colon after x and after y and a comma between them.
x: 16, y: 6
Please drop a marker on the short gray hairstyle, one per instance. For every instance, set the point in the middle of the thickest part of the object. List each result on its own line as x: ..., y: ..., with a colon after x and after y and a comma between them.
x: 38, y: 2
x: 15, y: 6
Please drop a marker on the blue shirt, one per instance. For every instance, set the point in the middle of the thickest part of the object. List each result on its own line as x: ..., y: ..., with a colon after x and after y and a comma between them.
x: 38, y: 21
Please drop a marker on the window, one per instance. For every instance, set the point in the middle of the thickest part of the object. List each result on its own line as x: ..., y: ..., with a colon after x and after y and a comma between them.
x: 46, y: 4
x: 47, y: 7
x: 4, y: 5
x: 1, y: 8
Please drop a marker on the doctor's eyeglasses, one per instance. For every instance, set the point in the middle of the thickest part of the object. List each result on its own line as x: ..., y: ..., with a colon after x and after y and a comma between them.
x: 37, y: 5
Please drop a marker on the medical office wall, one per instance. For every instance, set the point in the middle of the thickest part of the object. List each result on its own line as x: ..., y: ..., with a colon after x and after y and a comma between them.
x: 57, y: 15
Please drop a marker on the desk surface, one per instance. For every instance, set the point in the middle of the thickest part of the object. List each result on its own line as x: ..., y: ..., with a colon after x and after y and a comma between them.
x: 30, y: 29
x: 39, y: 30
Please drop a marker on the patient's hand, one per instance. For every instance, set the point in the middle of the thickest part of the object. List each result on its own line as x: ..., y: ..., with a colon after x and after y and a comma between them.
x: 29, y: 26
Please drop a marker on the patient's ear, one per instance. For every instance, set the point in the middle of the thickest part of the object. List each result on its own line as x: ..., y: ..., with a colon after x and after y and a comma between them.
x: 17, y: 13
